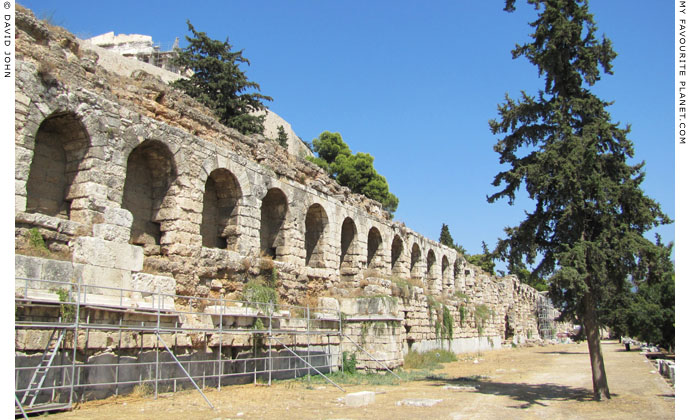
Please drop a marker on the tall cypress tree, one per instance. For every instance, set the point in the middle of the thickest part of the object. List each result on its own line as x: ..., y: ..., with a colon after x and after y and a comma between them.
x: 590, y: 211
x: 445, y: 238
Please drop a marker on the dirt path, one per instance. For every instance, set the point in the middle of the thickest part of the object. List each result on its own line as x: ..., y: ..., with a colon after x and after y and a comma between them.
x: 551, y: 382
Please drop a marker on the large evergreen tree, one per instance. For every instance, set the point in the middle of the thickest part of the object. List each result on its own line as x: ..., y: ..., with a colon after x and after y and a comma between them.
x: 445, y: 238
x: 219, y: 83
x: 590, y: 213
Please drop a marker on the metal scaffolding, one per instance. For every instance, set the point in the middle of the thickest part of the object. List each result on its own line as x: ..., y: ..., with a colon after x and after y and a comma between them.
x: 98, y: 341
x: 546, y: 321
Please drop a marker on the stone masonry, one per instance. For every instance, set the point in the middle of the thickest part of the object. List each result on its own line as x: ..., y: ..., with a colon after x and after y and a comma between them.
x: 132, y: 183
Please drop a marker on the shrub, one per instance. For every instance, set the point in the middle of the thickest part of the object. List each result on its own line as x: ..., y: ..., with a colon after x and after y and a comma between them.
x: 259, y: 295
x: 349, y: 363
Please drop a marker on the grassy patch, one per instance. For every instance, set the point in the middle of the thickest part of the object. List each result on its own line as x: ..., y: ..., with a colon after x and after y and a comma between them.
x: 428, y: 360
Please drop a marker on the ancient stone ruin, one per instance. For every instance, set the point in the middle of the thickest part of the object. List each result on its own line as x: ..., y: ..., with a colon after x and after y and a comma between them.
x: 150, y: 217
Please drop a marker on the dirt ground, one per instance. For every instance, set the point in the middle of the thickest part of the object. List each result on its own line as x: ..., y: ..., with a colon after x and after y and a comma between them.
x: 552, y: 382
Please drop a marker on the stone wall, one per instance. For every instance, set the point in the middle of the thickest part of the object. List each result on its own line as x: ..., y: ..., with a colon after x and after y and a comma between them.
x: 124, y: 176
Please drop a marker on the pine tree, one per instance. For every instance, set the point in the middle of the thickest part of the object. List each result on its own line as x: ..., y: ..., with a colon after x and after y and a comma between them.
x: 218, y: 82
x: 353, y: 171
x: 590, y: 215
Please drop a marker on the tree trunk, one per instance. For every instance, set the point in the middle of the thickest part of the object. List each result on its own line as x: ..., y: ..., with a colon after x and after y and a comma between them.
x: 596, y: 358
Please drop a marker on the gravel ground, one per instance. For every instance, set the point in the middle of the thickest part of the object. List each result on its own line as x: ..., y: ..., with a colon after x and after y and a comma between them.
x: 552, y: 382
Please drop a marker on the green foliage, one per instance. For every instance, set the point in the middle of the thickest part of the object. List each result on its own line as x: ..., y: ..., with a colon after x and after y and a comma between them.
x: 67, y: 311
x: 482, y: 313
x: 329, y: 146
x: 645, y: 306
x: 259, y: 295
x: 353, y: 171
x: 447, y: 331
x: 461, y: 296
x: 447, y: 240
x: 219, y: 83
x: 36, y: 240
x: 590, y: 214
x: 527, y: 277
x: 349, y: 363
x: 282, y: 138
x: 485, y: 260
x: 463, y: 313
x: 429, y: 360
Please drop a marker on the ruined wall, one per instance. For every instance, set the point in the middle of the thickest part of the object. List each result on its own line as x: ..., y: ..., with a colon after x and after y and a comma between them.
x: 123, y: 176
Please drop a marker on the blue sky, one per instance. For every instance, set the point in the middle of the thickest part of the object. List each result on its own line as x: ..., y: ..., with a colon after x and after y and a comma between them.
x: 414, y: 84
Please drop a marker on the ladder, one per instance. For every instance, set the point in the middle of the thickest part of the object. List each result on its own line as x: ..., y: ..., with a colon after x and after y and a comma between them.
x: 41, y: 371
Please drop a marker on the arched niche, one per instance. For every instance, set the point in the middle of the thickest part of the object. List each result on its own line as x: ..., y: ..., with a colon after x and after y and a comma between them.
x: 315, y: 225
x: 219, y: 218
x: 150, y: 173
x: 374, y: 249
x: 348, y: 245
x: 274, y: 207
x: 60, y: 145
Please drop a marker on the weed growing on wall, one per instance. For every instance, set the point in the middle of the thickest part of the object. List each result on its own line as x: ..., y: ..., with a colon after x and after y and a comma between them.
x: 349, y: 363
x: 481, y: 314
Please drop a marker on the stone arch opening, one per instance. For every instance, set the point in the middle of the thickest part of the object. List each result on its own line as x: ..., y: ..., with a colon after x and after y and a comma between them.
x: 397, y: 248
x: 374, y: 249
x: 431, y: 270
x: 150, y: 172
x: 274, y: 208
x: 348, y: 252
x: 219, y: 227
x: 60, y: 146
x: 445, y: 273
x: 315, y: 225
x: 415, y: 256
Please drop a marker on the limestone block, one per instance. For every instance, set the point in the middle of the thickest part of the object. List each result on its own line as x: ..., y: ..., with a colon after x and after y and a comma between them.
x: 87, y: 189
x: 359, y: 399
x: 329, y: 304
x: 370, y: 305
x: 118, y: 217
x: 57, y: 270
x: 105, y: 281
x: 112, y: 233
x: 145, y: 282
x: 27, y: 267
x: 108, y: 254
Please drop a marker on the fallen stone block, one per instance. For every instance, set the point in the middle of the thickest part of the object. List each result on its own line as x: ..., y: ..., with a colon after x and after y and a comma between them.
x: 359, y: 399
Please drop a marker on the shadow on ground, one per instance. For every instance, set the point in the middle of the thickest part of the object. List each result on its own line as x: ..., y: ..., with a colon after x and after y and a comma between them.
x: 525, y: 394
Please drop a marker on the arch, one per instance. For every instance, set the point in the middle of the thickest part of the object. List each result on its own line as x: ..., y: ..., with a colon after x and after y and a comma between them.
x: 430, y: 261
x: 432, y: 280
x: 445, y: 273
x: 397, y: 249
x: 150, y: 173
x: 61, y: 143
x: 220, y: 211
x: 274, y: 207
x: 415, y: 256
x: 315, y: 224
x: 348, y: 247
x: 374, y: 249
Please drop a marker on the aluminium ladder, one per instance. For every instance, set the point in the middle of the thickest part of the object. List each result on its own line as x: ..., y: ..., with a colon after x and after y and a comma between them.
x: 41, y: 371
